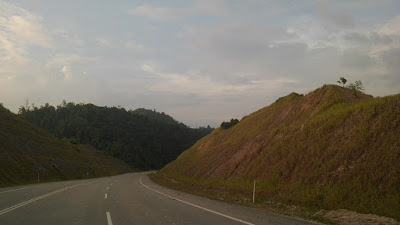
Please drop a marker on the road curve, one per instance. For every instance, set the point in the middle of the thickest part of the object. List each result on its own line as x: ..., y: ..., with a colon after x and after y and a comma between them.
x: 125, y: 199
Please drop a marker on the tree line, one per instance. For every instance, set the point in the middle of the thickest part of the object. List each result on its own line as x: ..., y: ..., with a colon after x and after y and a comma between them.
x: 145, y: 139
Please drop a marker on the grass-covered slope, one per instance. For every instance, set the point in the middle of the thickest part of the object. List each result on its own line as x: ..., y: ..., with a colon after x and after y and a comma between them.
x: 26, y: 150
x: 329, y: 149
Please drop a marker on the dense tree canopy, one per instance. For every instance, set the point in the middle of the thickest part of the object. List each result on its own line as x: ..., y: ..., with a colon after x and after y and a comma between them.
x: 145, y: 139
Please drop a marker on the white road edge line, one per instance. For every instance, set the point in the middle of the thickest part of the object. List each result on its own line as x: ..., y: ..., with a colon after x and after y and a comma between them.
x: 109, y: 221
x: 11, y: 208
x: 194, y: 205
x: 105, y: 196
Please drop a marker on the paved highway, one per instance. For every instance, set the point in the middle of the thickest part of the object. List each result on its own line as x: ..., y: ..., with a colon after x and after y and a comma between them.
x: 125, y: 199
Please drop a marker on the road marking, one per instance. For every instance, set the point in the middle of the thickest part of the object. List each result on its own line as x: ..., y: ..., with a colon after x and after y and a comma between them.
x: 194, y: 205
x: 20, y: 189
x: 9, y: 209
x: 108, y: 188
x: 109, y: 221
x: 105, y: 196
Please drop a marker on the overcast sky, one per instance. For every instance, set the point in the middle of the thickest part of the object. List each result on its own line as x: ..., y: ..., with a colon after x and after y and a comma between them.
x: 202, y: 62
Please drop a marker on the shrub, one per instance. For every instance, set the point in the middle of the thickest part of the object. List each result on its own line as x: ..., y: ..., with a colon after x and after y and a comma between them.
x: 227, y: 125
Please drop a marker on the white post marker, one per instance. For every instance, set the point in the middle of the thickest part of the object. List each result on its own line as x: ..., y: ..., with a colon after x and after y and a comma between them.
x: 254, y: 190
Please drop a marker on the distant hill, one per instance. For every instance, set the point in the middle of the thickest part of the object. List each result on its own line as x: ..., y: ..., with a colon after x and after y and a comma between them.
x: 145, y: 139
x: 27, y: 150
x: 329, y: 149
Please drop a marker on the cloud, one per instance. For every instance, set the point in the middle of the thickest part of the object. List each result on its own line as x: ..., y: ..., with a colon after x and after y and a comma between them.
x: 362, y: 4
x: 155, y: 13
x: 29, y: 30
x: 392, y: 27
x: 370, y: 38
x: 22, y: 28
x: 259, y: 52
x: 58, y: 60
x: 216, y: 8
x: 102, y: 42
x: 243, y: 42
x: 307, y: 51
x: 67, y: 73
x: 194, y: 83
x: 333, y: 16
x: 391, y: 59
x: 148, y: 69
x: 131, y: 44
x: 7, y: 79
x: 36, y: 61
x: 20, y: 31
x: 210, y: 7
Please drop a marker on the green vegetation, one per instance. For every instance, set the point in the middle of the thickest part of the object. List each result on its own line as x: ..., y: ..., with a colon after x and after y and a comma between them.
x: 145, y: 139
x: 227, y: 125
x: 27, y: 150
x: 342, y: 81
x: 289, y: 97
x: 154, y: 115
x: 357, y: 86
x: 329, y: 149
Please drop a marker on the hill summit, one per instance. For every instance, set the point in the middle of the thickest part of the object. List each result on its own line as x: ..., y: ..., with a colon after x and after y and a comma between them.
x: 332, y: 148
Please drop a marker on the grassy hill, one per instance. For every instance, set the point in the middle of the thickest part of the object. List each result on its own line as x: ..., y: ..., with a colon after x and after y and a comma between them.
x: 26, y: 150
x: 328, y: 149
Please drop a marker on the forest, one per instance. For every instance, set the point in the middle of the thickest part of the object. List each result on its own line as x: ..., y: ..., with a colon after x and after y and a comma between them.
x: 145, y: 139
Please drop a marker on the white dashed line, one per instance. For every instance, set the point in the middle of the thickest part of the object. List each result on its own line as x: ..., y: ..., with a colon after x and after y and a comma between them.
x: 109, y: 221
x: 105, y: 196
x: 196, y: 206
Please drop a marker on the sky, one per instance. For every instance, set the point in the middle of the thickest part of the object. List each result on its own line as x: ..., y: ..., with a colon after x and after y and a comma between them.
x: 200, y: 61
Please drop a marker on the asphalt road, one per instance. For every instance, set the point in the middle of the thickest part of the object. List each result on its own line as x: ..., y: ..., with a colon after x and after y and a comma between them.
x: 125, y: 199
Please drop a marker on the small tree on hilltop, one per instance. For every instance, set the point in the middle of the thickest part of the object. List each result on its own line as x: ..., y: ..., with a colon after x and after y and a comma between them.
x: 357, y: 86
x: 342, y: 81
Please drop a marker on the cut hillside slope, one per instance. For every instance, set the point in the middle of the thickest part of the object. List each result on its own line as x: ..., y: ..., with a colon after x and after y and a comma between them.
x: 329, y: 149
x: 26, y: 150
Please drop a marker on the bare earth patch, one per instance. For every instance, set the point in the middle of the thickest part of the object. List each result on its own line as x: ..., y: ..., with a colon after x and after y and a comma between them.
x: 345, y: 217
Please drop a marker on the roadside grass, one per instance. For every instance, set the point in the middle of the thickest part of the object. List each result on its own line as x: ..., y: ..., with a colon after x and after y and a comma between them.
x: 240, y: 197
